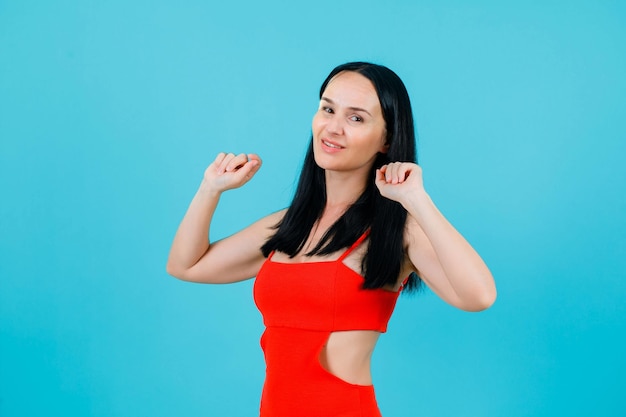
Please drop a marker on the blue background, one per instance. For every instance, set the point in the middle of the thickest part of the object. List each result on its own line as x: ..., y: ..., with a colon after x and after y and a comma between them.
x: 110, y: 111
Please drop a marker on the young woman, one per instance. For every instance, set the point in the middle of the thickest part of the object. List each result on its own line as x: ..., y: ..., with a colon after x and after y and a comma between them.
x: 329, y: 268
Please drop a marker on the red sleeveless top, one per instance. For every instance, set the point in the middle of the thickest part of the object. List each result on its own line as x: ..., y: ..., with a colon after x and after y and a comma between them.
x: 301, y: 304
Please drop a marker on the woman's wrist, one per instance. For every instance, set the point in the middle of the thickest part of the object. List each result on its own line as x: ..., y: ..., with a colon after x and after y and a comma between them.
x: 419, y: 205
x: 207, y: 190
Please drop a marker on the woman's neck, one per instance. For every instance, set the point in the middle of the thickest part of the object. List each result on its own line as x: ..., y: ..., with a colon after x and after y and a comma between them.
x: 343, y: 188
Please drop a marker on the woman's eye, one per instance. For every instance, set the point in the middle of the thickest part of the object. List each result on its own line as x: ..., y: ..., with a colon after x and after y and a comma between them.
x: 356, y: 119
x: 327, y: 110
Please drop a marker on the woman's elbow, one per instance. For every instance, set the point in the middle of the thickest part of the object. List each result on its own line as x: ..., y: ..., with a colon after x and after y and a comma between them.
x: 175, y: 271
x: 477, y: 301
x: 482, y: 301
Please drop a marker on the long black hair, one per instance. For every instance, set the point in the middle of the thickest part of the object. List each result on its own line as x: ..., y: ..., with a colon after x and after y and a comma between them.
x: 383, y: 217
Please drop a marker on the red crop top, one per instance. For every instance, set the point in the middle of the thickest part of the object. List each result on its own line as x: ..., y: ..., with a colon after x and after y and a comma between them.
x: 326, y: 295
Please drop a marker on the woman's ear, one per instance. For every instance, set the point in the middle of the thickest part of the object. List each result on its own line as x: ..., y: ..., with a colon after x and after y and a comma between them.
x: 385, y: 146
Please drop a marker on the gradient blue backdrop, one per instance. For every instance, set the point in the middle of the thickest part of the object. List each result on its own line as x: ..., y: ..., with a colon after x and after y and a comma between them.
x: 110, y: 111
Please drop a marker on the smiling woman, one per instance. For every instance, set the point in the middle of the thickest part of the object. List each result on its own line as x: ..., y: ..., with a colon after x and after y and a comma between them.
x: 349, y: 128
x: 329, y: 268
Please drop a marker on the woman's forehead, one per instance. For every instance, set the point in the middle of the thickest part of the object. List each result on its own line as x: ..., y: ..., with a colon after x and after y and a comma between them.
x: 351, y: 89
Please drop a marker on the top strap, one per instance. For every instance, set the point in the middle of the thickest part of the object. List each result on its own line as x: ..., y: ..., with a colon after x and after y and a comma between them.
x: 406, y: 280
x: 354, y: 245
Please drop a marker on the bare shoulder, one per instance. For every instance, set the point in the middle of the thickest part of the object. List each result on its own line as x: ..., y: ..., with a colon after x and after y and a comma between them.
x: 255, y: 235
x: 267, y: 224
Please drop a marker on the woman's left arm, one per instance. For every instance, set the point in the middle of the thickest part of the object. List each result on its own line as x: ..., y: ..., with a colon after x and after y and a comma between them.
x: 441, y: 256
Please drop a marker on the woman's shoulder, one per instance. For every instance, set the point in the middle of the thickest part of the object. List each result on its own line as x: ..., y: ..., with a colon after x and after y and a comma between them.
x: 266, y: 226
x: 272, y: 219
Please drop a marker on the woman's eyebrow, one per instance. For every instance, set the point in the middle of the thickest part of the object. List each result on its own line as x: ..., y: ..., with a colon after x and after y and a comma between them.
x: 326, y: 99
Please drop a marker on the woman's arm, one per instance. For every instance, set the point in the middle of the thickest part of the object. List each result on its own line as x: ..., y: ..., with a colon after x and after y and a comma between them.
x: 238, y: 257
x: 442, y: 257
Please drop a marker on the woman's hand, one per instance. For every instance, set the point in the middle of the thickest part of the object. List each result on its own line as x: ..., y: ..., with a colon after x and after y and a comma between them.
x: 400, y: 181
x: 230, y: 171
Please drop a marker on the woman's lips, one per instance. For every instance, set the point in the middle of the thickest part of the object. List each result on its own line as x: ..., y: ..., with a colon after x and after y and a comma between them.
x: 330, y: 146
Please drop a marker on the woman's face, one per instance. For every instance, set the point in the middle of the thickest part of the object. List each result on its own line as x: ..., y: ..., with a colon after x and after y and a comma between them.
x: 348, y: 128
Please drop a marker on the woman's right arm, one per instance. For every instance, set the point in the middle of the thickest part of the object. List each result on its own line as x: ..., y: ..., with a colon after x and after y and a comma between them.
x: 235, y: 258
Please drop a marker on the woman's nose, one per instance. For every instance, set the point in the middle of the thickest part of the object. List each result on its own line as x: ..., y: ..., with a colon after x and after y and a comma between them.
x: 335, y: 126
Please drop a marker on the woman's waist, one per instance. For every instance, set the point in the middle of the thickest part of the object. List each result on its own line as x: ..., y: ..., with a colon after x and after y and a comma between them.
x: 344, y: 354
